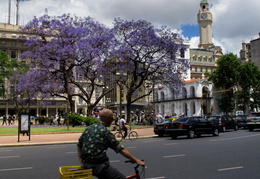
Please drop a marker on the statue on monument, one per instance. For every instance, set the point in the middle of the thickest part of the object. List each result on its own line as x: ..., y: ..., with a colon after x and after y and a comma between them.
x: 204, y: 1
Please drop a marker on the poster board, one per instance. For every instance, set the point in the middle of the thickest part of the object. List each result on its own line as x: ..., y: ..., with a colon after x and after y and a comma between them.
x: 24, y: 125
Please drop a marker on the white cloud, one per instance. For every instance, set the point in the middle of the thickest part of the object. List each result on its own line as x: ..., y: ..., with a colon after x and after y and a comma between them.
x: 194, y: 42
x: 234, y: 21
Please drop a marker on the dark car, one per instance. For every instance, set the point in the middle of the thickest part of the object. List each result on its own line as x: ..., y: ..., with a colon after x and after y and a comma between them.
x: 224, y: 122
x: 159, y: 129
x: 191, y: 126
x: 241, y: 121
x: 253, y: 121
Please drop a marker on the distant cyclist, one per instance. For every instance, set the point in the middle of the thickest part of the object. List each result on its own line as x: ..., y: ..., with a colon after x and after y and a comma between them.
x: 122, y: 125
x: 93, y: 144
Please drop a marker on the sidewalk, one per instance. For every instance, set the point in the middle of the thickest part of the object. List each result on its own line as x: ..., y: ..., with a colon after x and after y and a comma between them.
x: 64, y: 138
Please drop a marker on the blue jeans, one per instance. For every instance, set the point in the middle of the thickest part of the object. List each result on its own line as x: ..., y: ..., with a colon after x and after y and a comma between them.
x: 104, y: 171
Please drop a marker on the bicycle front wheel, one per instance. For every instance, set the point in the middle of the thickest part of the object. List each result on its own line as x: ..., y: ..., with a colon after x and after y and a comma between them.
x: 133, y: 135
x: 119, y: 136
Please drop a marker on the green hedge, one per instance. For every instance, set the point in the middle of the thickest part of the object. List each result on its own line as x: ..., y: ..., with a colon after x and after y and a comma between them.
x: 90, y: 120
x: 43, y: 119
x: 76, y: 120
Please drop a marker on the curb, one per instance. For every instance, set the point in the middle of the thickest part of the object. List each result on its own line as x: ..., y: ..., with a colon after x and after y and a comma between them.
x: 57, y: 142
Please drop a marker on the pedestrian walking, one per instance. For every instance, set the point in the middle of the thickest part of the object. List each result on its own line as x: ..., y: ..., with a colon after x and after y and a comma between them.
x: 58, y: 120
x: 52, y: 120
x: 159, y: 118
x: 4, y: 120
x: 14, y: 117
x: 10, y: 118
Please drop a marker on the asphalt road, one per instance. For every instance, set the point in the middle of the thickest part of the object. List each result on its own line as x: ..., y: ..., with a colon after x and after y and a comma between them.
x: 234, y: 154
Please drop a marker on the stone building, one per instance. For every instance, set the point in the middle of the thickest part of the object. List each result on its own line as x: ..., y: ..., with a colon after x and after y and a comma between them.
x: 197, y: 96
x: 251, y: 51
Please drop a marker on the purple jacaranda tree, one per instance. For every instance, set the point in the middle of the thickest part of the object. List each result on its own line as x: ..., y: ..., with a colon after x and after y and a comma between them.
x: 67, y: 56
x: 148, y: 54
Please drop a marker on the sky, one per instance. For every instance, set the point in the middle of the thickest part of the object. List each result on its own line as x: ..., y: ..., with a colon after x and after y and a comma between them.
x: 234, y: 21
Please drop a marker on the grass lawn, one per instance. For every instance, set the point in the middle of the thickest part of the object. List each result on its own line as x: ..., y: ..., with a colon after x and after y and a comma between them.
x: 44, y: 129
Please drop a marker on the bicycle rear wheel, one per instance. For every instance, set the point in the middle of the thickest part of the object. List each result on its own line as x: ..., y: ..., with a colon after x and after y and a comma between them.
x: 133, y: 135
x: 119, y: 136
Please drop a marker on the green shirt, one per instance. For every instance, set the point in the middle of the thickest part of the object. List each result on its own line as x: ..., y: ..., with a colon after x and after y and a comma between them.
x: 95, y: 141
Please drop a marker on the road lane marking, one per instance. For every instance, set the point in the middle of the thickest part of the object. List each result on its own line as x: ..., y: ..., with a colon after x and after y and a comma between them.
x: 173, y: 156
x: 231, y: 168
x: 58, y: 147
x: 9, y: 157
x: 146, y: 141
x: 234, y: 138
x: 13, y: 169
x: 114, y: 161
x: 171, y: 144
x: 156, y: 177
x: 71, y: 152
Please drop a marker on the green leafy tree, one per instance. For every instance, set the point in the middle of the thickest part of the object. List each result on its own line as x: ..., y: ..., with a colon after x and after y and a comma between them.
x: 10, y: 69
x: 225, y: 77
x: 249, y: 86
x: 7, y: 65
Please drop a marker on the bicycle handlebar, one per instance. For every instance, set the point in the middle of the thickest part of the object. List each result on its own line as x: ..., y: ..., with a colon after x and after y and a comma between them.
x: 130, y: 161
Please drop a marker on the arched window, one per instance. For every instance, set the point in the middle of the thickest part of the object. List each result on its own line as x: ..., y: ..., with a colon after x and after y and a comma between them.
x: 194, y: 58
x: 192, y: 92
x: 193, y: 108
x: 184, y: 93
x: 182, y: 53
x: 156, y: 96
x: 173, y: 94
x: 162, y: 96
x: 173, y: 108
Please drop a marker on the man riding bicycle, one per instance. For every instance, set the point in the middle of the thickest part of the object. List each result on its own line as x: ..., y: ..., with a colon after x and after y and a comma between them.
x: 122, y: 125
x: 93, y: 144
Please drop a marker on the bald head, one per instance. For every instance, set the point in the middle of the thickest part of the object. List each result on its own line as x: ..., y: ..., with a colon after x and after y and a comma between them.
x: 106, y: 116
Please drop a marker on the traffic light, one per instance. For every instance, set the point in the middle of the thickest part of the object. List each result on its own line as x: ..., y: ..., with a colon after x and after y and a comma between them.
x: 212, y: 108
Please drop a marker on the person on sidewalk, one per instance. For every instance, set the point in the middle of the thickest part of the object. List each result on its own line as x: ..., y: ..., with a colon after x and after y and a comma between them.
x: 58, y: 120
x: 122, y: 125
x: 93, y: 144
x: 4, y: 120
x: 10, y: 118
x: 52, y: 120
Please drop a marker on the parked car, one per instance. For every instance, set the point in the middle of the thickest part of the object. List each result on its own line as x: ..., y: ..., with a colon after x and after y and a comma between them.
x: 191, y: 126
x: 224, y: 122
x: 241, y: 121
x: 159, y: 129
x: 253, y: 121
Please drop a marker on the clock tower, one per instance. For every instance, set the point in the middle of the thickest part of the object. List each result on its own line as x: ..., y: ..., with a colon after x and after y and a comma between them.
x: 204, y: 17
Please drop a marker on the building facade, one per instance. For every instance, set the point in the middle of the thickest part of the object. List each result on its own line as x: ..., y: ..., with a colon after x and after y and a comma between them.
x: 197, y: 96
x: 251, y: 51
x: 255, y: 51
